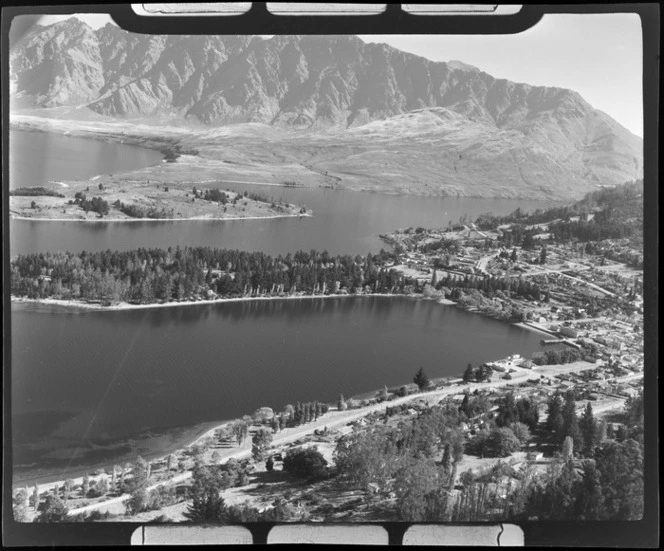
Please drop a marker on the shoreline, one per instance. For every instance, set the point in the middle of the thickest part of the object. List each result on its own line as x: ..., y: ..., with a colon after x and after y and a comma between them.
x: 187, y: 436
x: 337, y: 418
x: 73, y: 304
x: 194, y: 219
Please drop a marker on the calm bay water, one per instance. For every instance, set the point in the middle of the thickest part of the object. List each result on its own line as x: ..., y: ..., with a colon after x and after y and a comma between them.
x: 37, y: 158
x: 85, y: 380
x: 93, y: 388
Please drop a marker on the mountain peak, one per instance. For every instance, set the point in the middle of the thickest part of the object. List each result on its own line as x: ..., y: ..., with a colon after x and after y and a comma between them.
x: 461, y: 66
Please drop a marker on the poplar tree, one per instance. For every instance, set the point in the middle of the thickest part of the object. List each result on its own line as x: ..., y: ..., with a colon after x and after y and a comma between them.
x: 35, y: 497
x: 86, y: 485
x: 589, y: 430
x: 421, y: 379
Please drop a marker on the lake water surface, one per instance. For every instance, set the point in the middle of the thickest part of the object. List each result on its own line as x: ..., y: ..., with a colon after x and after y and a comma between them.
x: 37, y: 158
x: 82, y: 380
x: 93, y: 388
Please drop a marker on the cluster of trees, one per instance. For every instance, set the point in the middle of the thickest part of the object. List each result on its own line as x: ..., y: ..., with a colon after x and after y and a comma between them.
x: 136, y: 211
x: 472, y: 299
x: 208, y: 481
x: 596, y: 230
x: 301, y: 413
x: 416, y: 459
x: 617, y: 202
x: 556, y: 356
x: 490, y: 285
x: 477, y: 374
x: 151, y: 275
x: 307, y: 463
x: 213, y: 194
x: 566, y: 429
x: 34, y: 192
x: 522, y: 410
x: 96, y: 204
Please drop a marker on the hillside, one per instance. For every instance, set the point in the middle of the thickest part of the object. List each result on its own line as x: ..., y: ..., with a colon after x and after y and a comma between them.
x: 369, y: 115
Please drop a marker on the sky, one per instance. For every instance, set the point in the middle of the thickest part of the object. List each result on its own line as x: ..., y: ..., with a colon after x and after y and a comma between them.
x: 597, y: 55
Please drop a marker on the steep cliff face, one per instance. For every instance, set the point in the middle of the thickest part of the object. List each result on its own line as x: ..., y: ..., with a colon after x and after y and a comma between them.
x: 326, y: 83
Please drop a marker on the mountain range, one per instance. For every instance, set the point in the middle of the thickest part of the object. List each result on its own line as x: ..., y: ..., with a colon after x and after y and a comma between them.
x: 533, y: 140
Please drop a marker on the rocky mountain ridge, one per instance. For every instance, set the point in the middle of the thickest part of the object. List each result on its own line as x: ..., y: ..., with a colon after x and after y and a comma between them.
x: 325, y: 83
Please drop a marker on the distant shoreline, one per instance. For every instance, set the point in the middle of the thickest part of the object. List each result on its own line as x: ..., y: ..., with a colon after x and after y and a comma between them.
x: 193, y: 219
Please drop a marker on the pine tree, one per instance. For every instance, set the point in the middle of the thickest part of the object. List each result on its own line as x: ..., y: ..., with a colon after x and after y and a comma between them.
x: 589, y: 431
x: 421, y: 379
x: 469, y: 374
x: 590, y: 501
x: 554, y: 408
x: 570, y: 421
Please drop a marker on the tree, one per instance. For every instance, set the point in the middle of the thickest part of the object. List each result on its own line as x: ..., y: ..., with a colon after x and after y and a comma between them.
x: 570, y: 421
x: 240, y: 429
x: 21, y: 505
x: 367, y: 457
x: 269, y: 464
x: 207, y: 504
x: 136, y: 484
x: 590, y: 501
x: 620, y: 465
x: 33, y: 205
x: 469, y: 374
x: 85, y: 488
x: 54, y: 510
x: 589, y: 431
x: 138, y: 502
x: 420, y: 490
x: 421, y: 379
x: 35, y: 497
x: 513, y: 256
x: 522, y: 432
x: 260, y: 443
x: 102, y: 486
x: 67, y: 489
x: 341, y: 404
x: 306, y: 463
x: 542, y: 259
x: 568, y: 447
x: 502, y: 442
x: 554, y: 408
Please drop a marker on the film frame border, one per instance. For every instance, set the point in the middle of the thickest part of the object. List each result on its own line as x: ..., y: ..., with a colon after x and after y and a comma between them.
x: 258, y: 20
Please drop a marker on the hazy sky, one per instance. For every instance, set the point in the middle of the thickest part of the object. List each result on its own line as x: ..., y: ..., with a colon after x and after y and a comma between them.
x: 597, y: 55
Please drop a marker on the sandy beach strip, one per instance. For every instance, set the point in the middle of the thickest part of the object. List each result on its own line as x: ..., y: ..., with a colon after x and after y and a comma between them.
x: 126, y: 306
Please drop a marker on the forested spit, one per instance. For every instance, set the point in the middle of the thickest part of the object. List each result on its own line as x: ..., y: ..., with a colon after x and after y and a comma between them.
x: 154, y: 275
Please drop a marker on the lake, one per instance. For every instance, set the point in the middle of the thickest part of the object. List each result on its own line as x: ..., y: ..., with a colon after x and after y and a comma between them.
x: 37, y: 158
x: 93, y: 388
x: 86, y: 382
x: 344, y: 222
